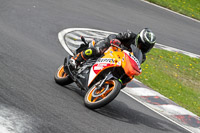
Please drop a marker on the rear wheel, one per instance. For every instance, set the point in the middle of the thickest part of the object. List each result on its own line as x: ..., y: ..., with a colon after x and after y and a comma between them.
x: 96, y: 98
x: 61, y: 77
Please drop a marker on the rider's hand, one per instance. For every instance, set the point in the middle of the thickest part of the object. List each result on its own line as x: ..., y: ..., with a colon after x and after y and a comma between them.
x: 115, y: 42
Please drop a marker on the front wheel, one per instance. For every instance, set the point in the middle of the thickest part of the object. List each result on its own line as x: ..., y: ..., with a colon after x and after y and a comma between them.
x: 61, y: 77
x: 96, y: 98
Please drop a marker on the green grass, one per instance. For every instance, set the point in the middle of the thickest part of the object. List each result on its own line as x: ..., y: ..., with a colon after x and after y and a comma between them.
x: 175, y: 76
x: 187, y: 7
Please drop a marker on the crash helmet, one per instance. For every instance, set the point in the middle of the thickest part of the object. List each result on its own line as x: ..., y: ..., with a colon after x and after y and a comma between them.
x: 145, y: 40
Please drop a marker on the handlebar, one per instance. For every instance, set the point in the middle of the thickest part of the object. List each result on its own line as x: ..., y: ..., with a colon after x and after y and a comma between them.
x: 83, y: 40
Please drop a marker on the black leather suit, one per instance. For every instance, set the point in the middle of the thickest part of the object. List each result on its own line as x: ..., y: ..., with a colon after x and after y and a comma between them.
x: 127, y: 42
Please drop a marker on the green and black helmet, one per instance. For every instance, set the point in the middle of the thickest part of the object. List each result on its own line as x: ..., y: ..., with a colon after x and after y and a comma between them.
x: 145, y: 40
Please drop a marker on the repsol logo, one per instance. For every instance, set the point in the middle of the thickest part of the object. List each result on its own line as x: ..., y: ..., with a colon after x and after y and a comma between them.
x: 106, y: 60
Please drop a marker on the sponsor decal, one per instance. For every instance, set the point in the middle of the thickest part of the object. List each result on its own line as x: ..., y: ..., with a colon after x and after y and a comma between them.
x: 106, y: 60
x: 98, y: 67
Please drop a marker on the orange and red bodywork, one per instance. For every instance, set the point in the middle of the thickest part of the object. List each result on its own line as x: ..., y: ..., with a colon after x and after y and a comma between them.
x: 116, y: 57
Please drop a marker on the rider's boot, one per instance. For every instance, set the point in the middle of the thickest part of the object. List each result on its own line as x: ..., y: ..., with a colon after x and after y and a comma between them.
x: 80, y: 57
x: 74, y: 61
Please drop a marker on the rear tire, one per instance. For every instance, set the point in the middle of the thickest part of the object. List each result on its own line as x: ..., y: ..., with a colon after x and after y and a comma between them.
x: 61, y: 77
x: 98, y: 98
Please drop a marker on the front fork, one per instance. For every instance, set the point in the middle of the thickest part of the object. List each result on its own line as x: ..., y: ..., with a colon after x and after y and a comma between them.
x: 108, y: 77
x: 103, y: 81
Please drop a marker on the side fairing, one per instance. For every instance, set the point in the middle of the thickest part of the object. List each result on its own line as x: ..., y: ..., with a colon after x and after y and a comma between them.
x: 92, y: 75
x: 111, y: 58
x: 100, y: 65
x: 131, y: 65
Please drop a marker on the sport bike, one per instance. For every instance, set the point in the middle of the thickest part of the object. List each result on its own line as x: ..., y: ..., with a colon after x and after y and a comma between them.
x: 101, y: 77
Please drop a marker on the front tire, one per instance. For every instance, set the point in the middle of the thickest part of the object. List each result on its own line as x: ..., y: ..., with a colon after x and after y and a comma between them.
x: 96, y: 98
x: 61, y: 77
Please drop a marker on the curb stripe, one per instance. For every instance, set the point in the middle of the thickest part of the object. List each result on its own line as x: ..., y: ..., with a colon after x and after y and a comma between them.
x: 156, y: 100
x: 81, y: 33
x: 140, y: 91
x: 149, y: 107
x: 175, y: 110
x: 187, y: 119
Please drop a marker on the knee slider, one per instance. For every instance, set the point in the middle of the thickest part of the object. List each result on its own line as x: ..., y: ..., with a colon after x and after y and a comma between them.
x: 88, y: 52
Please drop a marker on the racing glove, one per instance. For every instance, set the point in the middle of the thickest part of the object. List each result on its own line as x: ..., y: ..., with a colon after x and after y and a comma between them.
x: 115, y: 42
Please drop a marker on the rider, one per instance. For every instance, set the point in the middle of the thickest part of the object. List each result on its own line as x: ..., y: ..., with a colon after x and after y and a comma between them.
x: 139, y: 44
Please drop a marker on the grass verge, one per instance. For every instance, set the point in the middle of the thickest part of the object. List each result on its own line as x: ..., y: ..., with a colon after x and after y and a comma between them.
x: 187, y: 7
x: 175, y: 76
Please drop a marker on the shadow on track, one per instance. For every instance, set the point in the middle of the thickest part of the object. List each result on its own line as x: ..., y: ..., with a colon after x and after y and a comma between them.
x: 120, y: 111
x: 75, y: 88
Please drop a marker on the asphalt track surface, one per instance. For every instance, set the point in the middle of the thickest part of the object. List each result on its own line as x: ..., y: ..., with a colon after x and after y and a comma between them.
x: 30, y: 100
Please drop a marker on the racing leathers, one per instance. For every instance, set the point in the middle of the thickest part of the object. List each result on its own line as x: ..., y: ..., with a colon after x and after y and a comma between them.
x: 127, y: 40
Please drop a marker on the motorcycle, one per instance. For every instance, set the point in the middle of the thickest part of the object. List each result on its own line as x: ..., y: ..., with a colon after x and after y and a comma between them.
x: 101, y: 77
